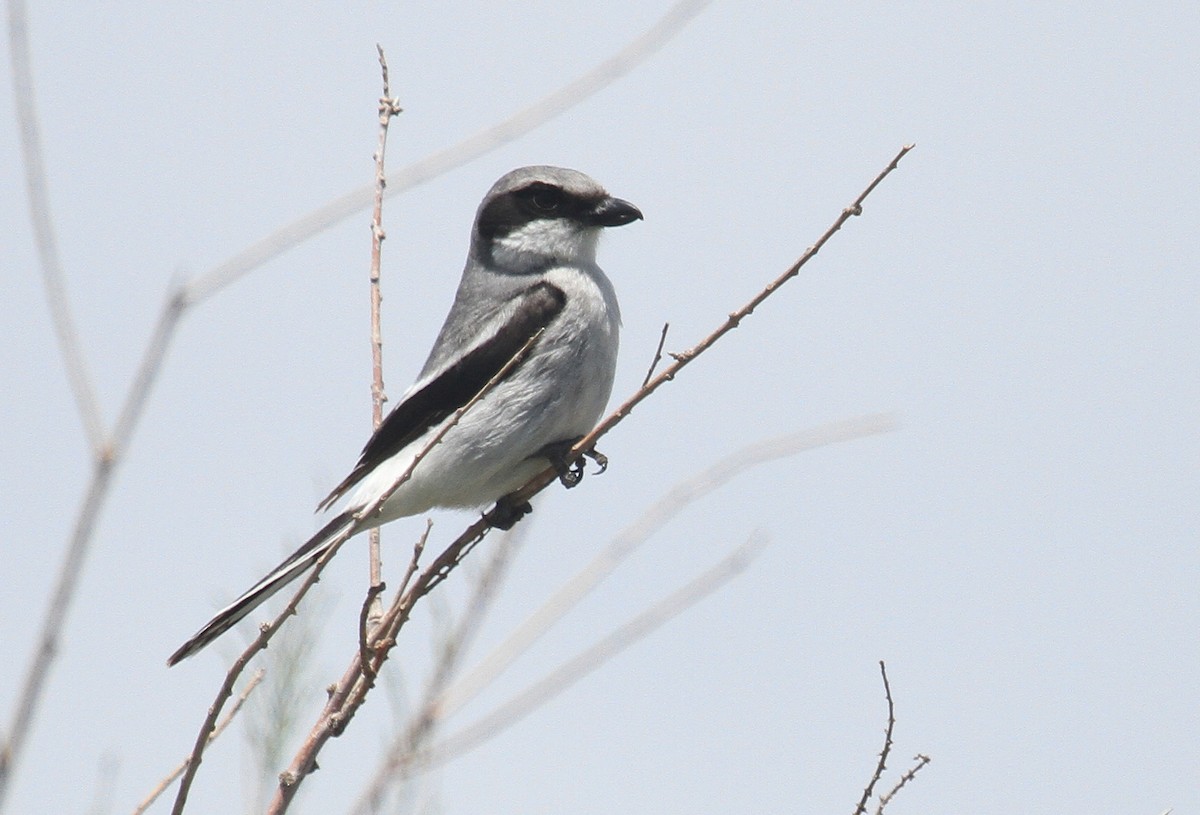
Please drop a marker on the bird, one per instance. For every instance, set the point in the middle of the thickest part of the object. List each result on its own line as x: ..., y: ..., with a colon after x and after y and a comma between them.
x: 531, y: 300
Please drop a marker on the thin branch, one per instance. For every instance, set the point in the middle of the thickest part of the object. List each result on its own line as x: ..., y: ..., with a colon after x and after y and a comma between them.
x: 657, y: 354
x: 887, y: 797
x: 430, y: 167
x: 173, y: 310
x: 418, y: 549
x: 265, y: 633
x: 53, y: 278
x: 869, y: 790
x: 388, y: 107
x: 217, y: 731
x: 590, y: 659
x: 674, y: 502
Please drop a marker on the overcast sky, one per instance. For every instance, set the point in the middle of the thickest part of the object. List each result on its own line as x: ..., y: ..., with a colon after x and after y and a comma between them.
x: 1022, y: 294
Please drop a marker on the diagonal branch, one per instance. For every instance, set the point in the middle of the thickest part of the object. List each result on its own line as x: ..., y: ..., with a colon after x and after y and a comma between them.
x: 921, y: 760
x: 86, y: 518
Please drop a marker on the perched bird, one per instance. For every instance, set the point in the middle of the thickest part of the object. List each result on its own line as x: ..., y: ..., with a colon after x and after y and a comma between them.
x: 531, y: 274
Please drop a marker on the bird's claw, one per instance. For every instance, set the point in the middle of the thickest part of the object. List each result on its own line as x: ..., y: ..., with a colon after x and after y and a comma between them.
x: 598, y: 457
x: 571, y: 474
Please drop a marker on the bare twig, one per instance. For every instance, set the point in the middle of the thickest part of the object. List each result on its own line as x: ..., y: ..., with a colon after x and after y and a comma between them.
x: 365, y: 623
x: 657, y: 354
x: 887, y: 797
x: 389, y: 106
x: 869, y: 790
x: 398, y: 757
x: 226, y: 690
x: 217, y: 731
x: 641, y: 530
x: 415, y: 561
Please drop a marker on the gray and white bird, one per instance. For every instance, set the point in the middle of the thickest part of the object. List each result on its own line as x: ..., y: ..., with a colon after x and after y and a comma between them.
x: 531, y: 268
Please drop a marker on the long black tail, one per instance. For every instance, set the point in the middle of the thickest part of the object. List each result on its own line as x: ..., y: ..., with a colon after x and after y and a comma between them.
x: 299, y: 562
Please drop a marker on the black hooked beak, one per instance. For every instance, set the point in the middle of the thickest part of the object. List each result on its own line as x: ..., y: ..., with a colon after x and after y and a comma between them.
x: 613, y: 212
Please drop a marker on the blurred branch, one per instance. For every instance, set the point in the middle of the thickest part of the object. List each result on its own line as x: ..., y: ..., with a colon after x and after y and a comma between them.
x: 430, y: 167
x: 54, y: 283
x: 217, y: 731
x: 106, y: 782
x: 80, y: 540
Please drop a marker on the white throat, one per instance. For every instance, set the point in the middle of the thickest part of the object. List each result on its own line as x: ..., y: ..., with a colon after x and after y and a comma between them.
x: 538, y: 241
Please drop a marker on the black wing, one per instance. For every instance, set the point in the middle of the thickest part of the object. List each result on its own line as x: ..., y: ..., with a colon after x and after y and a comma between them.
x: 456, y: 385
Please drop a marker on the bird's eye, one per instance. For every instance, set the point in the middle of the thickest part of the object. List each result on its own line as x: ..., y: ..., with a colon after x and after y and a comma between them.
x: 545, y: 199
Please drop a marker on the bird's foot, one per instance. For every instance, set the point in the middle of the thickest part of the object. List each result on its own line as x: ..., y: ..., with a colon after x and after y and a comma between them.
x: 571, y: 474
x: 507, y: 512
x: 556, y: 453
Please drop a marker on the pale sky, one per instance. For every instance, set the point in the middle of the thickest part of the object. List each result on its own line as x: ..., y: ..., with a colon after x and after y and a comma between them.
x: 1022, y: 294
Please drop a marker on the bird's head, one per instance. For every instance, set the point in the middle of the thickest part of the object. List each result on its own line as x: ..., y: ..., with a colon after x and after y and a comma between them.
x: 534, y: 216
